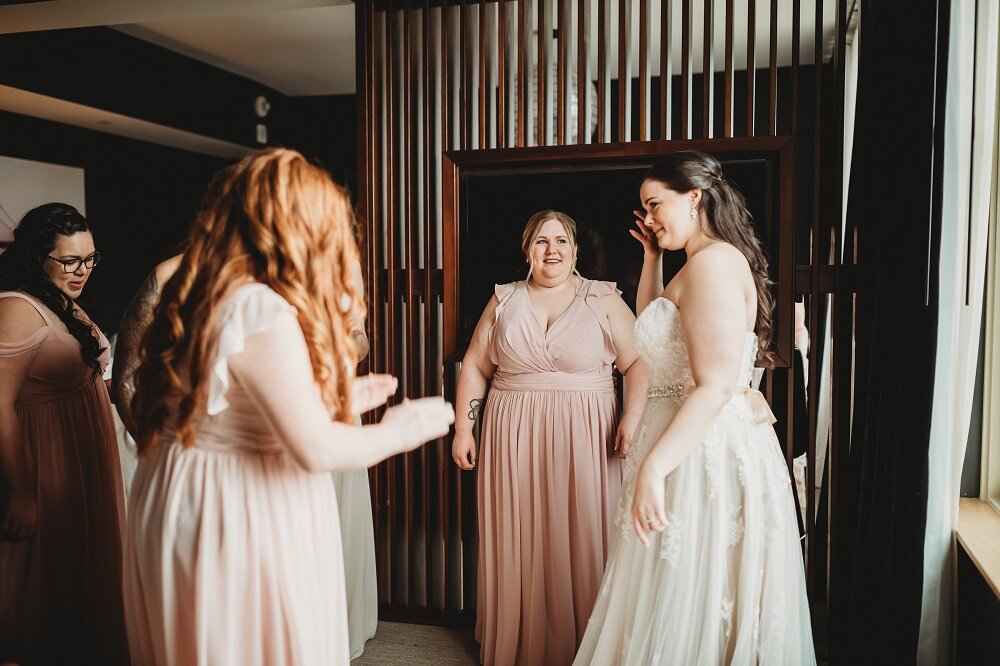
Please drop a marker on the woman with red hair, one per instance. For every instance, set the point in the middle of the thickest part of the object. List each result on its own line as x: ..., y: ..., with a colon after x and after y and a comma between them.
x: 245, y: 401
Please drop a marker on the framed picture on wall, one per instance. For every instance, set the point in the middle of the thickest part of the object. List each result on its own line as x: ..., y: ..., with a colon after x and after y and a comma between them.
x: 25, y: 184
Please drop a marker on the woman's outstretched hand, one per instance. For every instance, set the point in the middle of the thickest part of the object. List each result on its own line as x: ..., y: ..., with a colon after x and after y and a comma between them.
x: 371, y: 391
x: 645, y: 235
x: 420, y: 420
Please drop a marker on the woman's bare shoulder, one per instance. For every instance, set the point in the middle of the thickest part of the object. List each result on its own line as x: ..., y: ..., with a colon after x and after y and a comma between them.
x: 19, y: 319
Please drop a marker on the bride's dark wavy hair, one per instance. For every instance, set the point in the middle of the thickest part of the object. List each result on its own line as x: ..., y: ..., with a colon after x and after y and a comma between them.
x: 22, y: 268
x: 727, y: 218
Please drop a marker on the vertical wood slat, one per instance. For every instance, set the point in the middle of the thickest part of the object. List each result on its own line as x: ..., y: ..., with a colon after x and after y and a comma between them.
x: 408, y: 307
x: 451, y: 502
x: 751, y: 63
x: 666, y: 69
x: 542, y: 67
x: 391, y: 288
x: 369, y: 133
x: 796, y: 37
x: 483, y: 77
x: 772, y: 116
x: 843, y: 333
x: 708, y: 72
x: 502, y: 74
x: 582, y: 78
x: 522, y: 74
x: 603, y: 131
x: 727, y: 122
x: 562, y: 89
x: 624, y: 85
x: 465, y: 76
x: 816, y: 259
x: 643, y: 70
x: 686, y: 75
x: 434, y: 564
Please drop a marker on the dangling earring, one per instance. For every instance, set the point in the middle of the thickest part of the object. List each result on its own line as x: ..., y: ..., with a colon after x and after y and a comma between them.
x: 694, y: 213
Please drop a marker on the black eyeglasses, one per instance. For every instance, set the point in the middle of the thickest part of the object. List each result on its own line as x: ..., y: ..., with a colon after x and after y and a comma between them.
x: 73, y: 265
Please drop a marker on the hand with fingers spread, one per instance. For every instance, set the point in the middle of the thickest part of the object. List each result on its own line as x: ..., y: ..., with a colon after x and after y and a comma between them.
x: 645, y: 235
x: 371, y: 391
x: 419, y: 421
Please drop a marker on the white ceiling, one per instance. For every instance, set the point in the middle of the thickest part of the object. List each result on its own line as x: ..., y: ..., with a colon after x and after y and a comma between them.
x: 306, y: 47
x: 298, y: 47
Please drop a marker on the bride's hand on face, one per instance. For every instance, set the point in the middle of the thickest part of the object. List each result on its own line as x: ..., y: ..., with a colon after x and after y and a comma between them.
x: 645, y: 235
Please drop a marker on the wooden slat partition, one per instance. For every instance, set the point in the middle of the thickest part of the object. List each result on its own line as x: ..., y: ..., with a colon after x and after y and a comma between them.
x: 502, y: 74
x: 439, y: 75
x: 708, y: 71
x: 583, y: 100
x: 751, y: 67
x: 562, y: 61
x: 686, y: 73
x: 603, y: 27
x: 542, y: 61
x: 727, y: 121
x: 624, y: 83
x: 666, y: 69
x: 772, y: 116
x: 484, y: 83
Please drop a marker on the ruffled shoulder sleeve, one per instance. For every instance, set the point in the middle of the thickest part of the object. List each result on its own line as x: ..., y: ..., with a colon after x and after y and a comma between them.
x: 593, y: 292
x: 503, y: 293
x: 33, y: 341
x: 251, y: 309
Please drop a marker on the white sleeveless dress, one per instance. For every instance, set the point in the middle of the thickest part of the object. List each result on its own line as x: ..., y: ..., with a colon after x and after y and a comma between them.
x: 724, y: 582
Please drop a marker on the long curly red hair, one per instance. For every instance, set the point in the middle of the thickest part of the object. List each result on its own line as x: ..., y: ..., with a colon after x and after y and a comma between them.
x: 277, y: 220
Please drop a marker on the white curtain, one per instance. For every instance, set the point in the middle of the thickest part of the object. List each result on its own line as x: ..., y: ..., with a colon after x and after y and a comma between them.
x: 824, y: 410
x: 970, y: 148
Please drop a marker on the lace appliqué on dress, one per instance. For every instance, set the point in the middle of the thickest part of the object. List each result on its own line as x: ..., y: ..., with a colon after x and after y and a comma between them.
x: 670, y: 540
x: 734, y: 526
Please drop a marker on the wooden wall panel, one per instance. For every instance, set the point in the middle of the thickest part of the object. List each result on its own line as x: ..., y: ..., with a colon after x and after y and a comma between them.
x: 440, y: 75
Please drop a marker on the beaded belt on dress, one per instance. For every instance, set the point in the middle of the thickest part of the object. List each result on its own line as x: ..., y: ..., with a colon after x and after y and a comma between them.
x: 670, y: 391
x: 759, y: 408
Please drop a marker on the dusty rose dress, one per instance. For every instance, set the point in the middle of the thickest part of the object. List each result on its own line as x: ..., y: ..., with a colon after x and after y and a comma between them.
x: 233, y: 552
x: 548, y: 481
x: 60, y: 590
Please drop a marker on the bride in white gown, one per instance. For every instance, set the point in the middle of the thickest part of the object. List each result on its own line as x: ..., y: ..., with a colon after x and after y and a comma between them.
x: 706, y: 567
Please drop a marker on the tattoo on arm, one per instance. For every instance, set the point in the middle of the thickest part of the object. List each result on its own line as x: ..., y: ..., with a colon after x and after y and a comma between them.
x: 137, y: 316
x: 475, y: 406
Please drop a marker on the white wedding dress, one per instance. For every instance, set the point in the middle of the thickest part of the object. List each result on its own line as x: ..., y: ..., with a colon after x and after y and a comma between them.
x: 358, y: 535
x: 724, y: 582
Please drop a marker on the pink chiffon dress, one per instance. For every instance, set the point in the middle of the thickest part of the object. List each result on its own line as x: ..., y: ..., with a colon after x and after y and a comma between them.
x: 233, y: 551
x: 548, y: 478
x: 60, y: 589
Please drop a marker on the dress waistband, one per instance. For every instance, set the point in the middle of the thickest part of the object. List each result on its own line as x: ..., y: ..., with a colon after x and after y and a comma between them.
x: 552, y: 381
x: 758, y: 403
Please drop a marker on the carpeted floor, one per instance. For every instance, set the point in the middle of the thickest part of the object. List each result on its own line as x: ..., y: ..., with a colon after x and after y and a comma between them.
x: 415, y: 644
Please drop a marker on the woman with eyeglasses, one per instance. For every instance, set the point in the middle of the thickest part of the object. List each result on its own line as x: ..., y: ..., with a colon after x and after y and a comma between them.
x: 61, y: 497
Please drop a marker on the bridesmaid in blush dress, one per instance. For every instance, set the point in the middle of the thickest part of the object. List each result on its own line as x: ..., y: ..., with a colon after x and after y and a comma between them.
x: 61, y: 495
x: 549, y: 472
x: 245, y: 401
